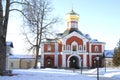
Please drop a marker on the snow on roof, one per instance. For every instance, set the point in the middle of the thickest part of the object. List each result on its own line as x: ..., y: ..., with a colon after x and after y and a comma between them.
x: 87, y: 36
x: 21, y: 56
x: 96, y: 41
x: 68, y: 31
x: 109, y: 53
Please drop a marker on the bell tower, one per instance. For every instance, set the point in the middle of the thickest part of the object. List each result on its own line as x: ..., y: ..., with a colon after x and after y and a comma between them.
x: 72, y: 20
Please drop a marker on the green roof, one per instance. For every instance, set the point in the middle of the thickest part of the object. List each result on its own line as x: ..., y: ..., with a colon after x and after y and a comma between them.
x: 72, y: 12
x: 68, y: 31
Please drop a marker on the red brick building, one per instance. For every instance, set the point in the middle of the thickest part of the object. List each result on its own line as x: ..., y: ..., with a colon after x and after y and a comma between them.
x: 71, y: 48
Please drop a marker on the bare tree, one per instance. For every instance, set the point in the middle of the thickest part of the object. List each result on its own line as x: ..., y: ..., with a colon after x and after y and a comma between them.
x: 37, y: 22
x: 4, y: 17
x: 3, y: 32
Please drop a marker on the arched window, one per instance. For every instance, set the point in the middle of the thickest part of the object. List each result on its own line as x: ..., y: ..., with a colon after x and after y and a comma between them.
x: 68, y: 47
x: 84, y: 47
x: 80, y: 47
x: 74, y: 48
x: 96, y: 48
x: 49, y: 47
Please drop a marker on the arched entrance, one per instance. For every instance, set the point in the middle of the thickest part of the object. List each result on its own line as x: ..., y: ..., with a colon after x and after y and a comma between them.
x: 49, y: 62
x: 74, y: 61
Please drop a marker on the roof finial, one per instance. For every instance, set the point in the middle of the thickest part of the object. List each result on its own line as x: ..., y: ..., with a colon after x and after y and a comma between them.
x: 72, y: 7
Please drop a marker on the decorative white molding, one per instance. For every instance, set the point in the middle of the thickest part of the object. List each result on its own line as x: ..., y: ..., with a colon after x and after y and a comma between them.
x: 97, y: 53
x: 49, y: 53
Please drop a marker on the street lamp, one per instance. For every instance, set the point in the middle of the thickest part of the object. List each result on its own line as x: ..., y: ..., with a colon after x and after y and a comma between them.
x: 81, y: 65
x: 97, y: 59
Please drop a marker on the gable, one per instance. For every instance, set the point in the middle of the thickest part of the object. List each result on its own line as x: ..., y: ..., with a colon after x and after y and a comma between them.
x: 76, y: 36
x: 70, y: 30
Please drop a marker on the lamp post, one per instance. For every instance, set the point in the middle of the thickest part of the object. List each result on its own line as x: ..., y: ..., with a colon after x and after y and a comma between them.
x: 81, y: 65
x: 97, y: 59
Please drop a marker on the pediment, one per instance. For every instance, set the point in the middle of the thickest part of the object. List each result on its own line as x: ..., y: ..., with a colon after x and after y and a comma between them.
x: 74, y: 34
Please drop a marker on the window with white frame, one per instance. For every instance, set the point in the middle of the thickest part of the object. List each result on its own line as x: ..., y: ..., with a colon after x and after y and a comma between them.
x: 49, y: 47
x: 96, y: 48
x: 74, y: 48
x: 80, y: 47
x: 68, y: 47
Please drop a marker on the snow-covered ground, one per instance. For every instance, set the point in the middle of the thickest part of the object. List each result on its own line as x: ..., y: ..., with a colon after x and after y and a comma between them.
x: 45, y: 74
x: 113, y: 73
x: 60, y: 74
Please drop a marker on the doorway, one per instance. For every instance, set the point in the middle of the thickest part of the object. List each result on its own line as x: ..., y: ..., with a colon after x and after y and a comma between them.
x: 74, y: 62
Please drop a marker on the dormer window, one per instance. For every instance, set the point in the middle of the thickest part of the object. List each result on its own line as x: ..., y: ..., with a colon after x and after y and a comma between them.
x: 49, y: 47
x: 96, y: 48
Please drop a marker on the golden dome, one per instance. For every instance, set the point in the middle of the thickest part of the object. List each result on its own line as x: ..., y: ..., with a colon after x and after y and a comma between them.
x: 72, y: 16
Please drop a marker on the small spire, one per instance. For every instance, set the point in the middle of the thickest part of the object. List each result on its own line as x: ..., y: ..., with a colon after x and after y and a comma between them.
x: 72, y: 11
x: 72, y: 8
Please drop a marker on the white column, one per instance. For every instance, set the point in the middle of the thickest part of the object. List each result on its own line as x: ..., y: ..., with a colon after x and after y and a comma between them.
x: 42, y: 59
x: 56, y: 47
x: 56, y: 55
x: 42, y: 54
x: 68, y: 63
x: 103, y: 48
x: 63, y: 60
x: 84, y: 60
x: 56, y: 60
x: 90, y: 56
x: 65, y: 47
x: 42, y: 47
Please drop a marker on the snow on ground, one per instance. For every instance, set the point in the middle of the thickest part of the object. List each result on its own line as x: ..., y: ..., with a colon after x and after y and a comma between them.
x: 45, y: 74
x: 61, y: 74
x: 113, y: 73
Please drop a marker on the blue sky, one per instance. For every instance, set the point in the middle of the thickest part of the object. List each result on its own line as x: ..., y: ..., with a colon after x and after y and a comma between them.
x: 99, y: 18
